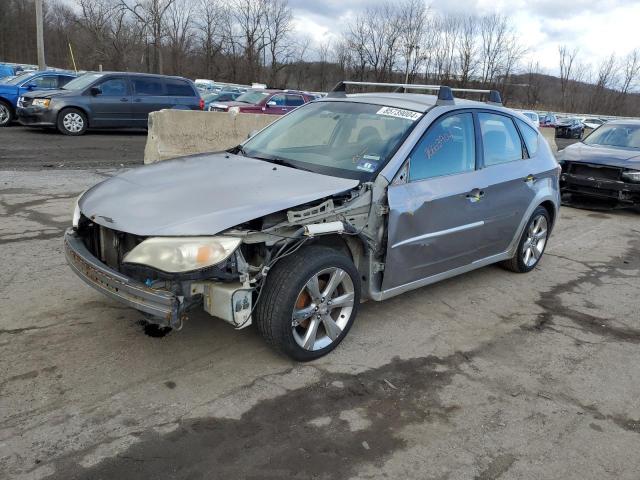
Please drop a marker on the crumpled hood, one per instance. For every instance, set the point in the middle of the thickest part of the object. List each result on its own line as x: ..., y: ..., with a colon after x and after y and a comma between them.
x: 202, y: 194
x: 602, y: 155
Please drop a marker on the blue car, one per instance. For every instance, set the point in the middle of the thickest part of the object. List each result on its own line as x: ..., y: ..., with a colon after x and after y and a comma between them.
x: 12, y: 90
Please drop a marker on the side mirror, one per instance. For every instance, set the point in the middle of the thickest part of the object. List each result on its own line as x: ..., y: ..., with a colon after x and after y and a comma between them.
x: 271, y: 104
x: 95, y: 91
x: 31, y: 86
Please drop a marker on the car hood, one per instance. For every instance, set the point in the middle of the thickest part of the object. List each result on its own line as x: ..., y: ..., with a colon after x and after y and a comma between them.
x: 48, y: 93
x: 602, y: 155
x: 202, y: 194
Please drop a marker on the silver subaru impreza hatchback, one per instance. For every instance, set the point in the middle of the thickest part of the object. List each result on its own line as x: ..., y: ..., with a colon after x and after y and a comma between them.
x: 349, y: 198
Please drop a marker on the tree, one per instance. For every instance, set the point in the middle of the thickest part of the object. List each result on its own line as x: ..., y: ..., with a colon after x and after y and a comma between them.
x: 567, y: 59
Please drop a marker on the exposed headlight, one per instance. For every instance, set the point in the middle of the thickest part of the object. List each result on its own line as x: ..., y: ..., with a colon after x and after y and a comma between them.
x: 631, y: 176
x: 234, y: 110
x: 41, y: 102
x: 182, y: 254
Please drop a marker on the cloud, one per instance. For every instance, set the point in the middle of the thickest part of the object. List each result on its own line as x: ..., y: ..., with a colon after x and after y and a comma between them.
x: 597, y: 27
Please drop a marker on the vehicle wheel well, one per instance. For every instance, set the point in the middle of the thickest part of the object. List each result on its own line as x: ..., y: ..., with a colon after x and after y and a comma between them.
x: 551, y: 210
x: 86, y: 114
x: 348, y: 246
x: 4, y: 100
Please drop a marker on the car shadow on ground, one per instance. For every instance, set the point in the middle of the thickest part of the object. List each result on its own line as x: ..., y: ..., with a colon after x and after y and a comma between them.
x: 98, y: 132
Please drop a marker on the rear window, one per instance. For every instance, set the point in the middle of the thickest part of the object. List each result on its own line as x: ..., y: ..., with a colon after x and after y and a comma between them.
x: 179, y: 88
x: 500, y: 139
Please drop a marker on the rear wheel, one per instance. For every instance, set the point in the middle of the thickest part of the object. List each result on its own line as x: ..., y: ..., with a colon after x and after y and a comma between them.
x: 72, y: 121
x: 532, y: 243
x: 309, y: 302
x: 6, y: 114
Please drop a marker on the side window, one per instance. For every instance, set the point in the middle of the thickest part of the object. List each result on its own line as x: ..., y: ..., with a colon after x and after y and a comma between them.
x: 113, y: 87
x: 530, y: 138
x: 147, y: 86
x: 63, y: 80
x: 47, y: 81
x: 279, y: 99
x: 294, y: 100
x: 448, y: 147
x: 501, y: 142
x: 179, y: 88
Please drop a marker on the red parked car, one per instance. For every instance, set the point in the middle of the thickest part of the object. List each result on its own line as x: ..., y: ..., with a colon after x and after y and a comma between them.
x: 273, y: 102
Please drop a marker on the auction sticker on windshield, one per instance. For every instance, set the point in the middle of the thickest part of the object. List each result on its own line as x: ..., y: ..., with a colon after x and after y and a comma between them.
x: 399, y: 113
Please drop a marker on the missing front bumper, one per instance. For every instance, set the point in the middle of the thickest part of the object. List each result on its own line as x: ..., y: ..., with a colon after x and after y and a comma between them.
x: 164, y: 305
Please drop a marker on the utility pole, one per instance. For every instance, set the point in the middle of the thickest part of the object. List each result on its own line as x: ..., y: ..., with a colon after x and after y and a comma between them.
x: 40, y: 36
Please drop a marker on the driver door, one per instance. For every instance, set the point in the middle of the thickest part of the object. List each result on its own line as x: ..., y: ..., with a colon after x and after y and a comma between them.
x: 436, y: 217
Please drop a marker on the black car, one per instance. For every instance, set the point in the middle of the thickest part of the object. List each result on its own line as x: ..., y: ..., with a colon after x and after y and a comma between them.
x: 569, y: 128
x: 107, y: 100
x: 605, y: 165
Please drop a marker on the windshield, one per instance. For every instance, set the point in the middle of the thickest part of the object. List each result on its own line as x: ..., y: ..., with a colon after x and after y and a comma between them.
x: 253, y: 97
x: 625, y: 136
x: 83, y: 81
x: 20, y: 78
x: 343, y: 139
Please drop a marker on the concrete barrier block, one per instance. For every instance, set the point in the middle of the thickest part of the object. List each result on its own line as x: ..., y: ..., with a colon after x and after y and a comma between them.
x: 176, y: 133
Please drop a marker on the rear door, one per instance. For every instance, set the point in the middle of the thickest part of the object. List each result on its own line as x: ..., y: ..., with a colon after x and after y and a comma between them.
x: 149, y: 95
x: 436, y: 220
x: 509, y: 174
x: 112, y: 107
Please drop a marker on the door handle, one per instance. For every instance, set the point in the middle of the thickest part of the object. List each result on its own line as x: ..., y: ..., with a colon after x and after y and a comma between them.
x: 475, y: 195
x: 124, y: 99
x: 138, y: 100
x: 530, y: 178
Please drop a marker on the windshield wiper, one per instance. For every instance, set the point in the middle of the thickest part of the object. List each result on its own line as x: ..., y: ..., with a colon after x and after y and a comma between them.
x: 283, y: 162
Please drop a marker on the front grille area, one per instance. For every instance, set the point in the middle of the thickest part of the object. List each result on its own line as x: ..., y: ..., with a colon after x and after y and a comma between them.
x: 109, y: 246
x: 591, y: 171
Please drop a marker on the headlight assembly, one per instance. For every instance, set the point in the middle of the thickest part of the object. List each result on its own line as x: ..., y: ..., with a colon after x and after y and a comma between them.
x: 41, y: 102
x: 182, y: 254
x: 631, y: 176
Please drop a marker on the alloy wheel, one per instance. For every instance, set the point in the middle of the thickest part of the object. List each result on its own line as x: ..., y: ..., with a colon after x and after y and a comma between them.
x: 533, y: 246
x: 323, y: 308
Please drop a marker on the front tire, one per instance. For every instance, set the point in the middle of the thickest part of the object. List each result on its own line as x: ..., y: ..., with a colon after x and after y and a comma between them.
x: 532, y: 243
x: 309, y: 302
x: 72, y: 121
x: 6, y: 114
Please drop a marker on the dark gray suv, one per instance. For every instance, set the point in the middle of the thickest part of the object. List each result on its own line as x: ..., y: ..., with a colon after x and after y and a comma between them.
x: 107, y: 100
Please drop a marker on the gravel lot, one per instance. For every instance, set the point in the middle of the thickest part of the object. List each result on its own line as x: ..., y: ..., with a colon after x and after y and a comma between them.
x: 488, y: 375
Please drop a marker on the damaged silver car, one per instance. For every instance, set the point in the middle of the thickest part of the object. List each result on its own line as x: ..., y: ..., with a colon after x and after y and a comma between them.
x: 349, y: 198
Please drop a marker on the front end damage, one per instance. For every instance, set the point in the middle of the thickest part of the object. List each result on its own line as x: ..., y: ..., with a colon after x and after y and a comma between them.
x: 352, y: 222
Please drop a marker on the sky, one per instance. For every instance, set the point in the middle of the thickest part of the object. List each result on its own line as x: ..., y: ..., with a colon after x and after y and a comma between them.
x: 597, y: 27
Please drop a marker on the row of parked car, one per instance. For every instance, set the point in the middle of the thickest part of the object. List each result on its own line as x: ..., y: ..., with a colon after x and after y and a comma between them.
x: 565, y: 127
x: 73, y: 104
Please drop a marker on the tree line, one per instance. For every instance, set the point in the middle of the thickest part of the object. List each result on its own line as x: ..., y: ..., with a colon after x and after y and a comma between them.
x: 243, y: 41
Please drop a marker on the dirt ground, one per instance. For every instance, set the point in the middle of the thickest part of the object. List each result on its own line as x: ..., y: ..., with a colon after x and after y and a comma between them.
x: 488, y: 375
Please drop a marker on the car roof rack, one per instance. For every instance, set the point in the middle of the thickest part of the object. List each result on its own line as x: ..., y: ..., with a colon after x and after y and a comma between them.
x: 445, y: 93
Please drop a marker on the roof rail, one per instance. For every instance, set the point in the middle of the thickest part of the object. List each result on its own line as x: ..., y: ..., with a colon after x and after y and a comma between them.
x: 445, y: 93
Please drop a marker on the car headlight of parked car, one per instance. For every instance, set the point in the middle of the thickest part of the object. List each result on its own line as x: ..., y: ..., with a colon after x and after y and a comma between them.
x: 182, y: 254
x: 631, y: 175
x: 41, y: 102
x: 234, y: 110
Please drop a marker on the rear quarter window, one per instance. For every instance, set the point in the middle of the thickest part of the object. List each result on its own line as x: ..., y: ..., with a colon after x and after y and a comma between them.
x: 530, y: 137
x: 179, y: 88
